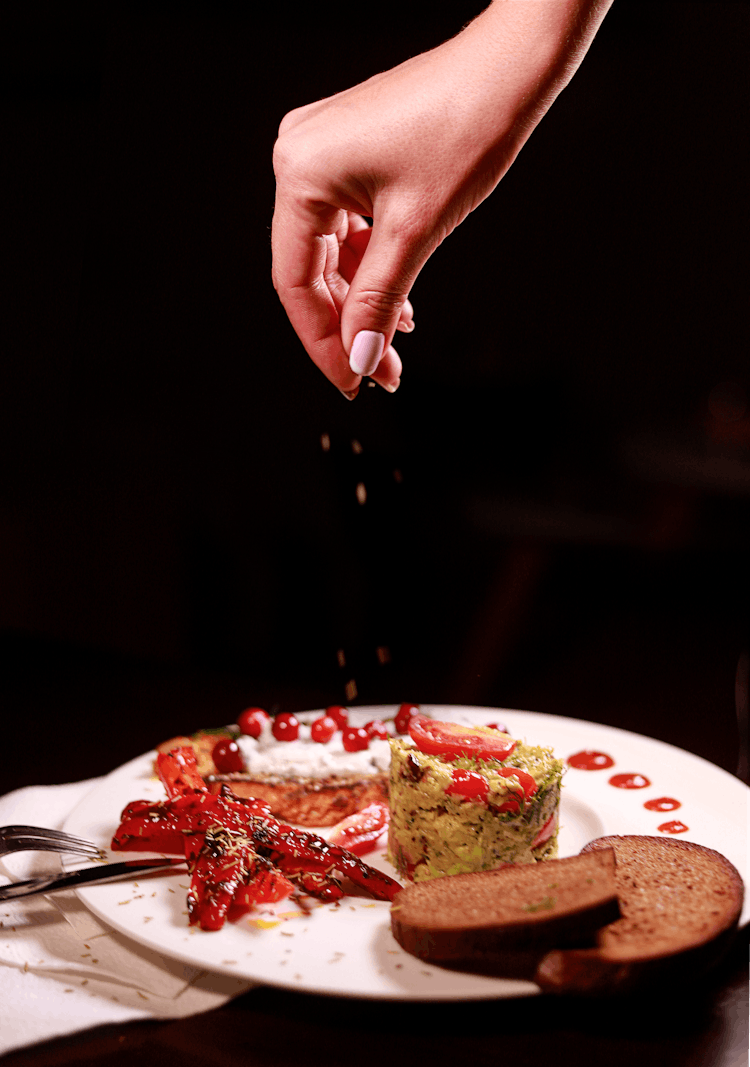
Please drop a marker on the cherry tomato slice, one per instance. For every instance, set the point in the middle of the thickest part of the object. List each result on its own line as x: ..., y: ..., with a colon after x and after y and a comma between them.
x: 404, y: 715
x: 360, y: 832
x: 469, y: 784
x: 527, y: 783
x: 251, y: 721
x: 452, y: 740
x: 546, y: 831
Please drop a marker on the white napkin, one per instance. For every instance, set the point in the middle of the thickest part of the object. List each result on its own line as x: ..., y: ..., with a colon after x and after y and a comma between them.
x: 61, y: 969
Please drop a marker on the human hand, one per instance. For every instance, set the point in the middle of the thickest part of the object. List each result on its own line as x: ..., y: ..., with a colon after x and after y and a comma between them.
x: 415, y: 149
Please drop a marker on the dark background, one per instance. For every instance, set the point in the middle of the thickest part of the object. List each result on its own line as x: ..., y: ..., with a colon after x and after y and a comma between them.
x: 557, y: 497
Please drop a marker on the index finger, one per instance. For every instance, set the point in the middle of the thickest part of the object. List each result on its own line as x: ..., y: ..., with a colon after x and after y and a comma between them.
x: 303, y: 239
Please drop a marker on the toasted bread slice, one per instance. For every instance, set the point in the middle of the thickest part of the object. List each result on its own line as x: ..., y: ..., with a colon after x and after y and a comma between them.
x: 503, y: 921
x: 680, y: 906
x: 308, y: 801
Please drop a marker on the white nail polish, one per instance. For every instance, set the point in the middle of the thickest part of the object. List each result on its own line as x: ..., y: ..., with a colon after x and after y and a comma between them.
x: 391, y: 387
x: 367, y: 351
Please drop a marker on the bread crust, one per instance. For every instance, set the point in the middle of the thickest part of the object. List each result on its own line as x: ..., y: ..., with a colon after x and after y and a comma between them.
x: 680, y: 905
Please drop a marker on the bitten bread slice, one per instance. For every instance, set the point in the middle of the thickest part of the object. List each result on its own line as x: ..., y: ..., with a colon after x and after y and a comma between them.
x: 680, y: 906
x: 484, y: 920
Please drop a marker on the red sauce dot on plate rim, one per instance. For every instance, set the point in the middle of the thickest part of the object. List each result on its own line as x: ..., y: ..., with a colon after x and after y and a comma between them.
x: 663, y: 804
x: 629, y: 781
x: 674, y: 827
x: 589, y: 760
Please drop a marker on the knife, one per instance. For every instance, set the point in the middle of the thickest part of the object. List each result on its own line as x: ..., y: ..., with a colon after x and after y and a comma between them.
x: 108, y: 872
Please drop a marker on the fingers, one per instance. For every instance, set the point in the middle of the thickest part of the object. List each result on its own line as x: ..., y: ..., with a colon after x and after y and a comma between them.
x: 387, y: 374
x: 377, y: 303
x: 307, y: 279
x: 311, y: 271
x: 388, y: 371
x: 353, y: 247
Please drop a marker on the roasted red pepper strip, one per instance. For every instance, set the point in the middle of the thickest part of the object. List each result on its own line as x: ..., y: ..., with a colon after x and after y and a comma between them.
x: 240, y: 855
x: 178, y: 771
x: 226, y: 865
x: 266, y: 887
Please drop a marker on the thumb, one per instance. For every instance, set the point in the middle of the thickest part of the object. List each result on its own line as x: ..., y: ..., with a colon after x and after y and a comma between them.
x: 377, y: 294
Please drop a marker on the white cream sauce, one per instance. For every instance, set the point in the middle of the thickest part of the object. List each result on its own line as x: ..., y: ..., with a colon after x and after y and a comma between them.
x: 310, y: 759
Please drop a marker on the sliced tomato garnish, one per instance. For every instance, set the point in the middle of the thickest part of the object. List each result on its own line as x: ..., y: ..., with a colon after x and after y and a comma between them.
x: 546, y: 831
x: 449, y: 739
x: 527, y: 788
x: 469, y: 784
x: 360, y: 832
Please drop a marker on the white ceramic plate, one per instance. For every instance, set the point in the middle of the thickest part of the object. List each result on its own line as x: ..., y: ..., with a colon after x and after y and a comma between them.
x: 347, y: 949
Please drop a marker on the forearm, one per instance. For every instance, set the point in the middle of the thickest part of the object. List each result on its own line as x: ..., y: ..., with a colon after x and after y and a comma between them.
x: 415, y: 149
x: 508, y: 66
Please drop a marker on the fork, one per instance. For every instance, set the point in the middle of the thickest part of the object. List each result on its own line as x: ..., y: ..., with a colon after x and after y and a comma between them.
x: 20, y: 838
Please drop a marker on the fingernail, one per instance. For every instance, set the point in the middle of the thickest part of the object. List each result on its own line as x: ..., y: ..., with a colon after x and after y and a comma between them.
x: 351, y: 395
x: 406, y: 327
x: 367, y: 352
x: 391, y: 387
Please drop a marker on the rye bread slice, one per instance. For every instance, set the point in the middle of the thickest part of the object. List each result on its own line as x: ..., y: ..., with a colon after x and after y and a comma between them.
x: 503, y: 921
x: 680, y: 905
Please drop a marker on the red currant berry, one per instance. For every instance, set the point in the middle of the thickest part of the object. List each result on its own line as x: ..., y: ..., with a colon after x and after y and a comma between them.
x: 323, y: 729
x: 251, y: 720
x: 339, y: 715
x: 285, y: 727
x: 497, y: 726
x: 404, y: 715
x: 227, y: 756
x: 355, y: 738
x: 377, y: 729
